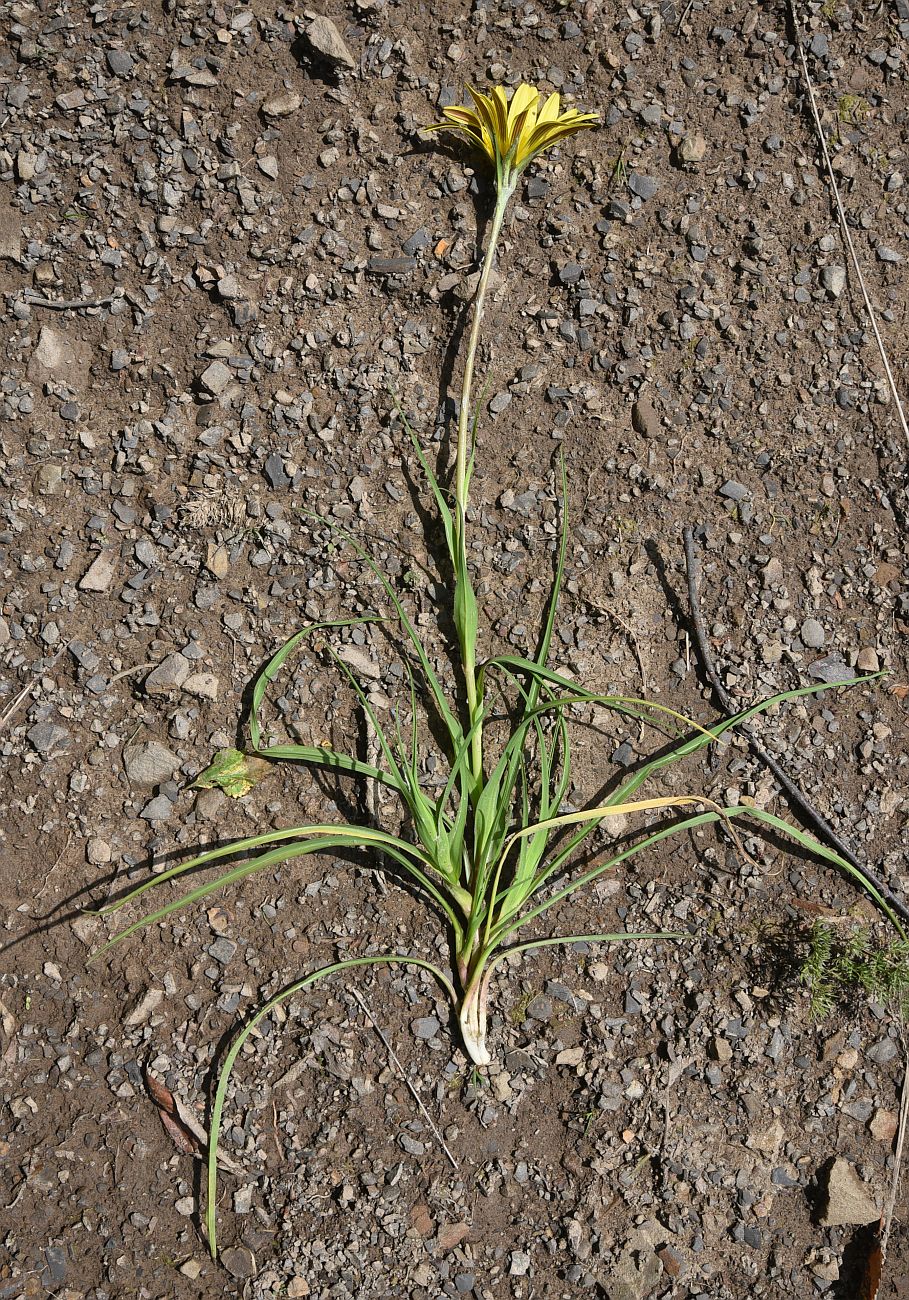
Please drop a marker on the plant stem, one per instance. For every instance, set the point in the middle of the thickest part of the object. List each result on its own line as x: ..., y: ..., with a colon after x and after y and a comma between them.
x: 468, y: 646
x: 502, y: 197
x: 472, y: 1019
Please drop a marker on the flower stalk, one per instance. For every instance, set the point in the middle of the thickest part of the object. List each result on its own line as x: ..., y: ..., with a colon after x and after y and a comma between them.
x: 466, y: 602
x: 511, y: 133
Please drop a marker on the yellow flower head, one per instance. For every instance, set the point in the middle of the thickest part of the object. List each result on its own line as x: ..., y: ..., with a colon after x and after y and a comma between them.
x: 513, y: 132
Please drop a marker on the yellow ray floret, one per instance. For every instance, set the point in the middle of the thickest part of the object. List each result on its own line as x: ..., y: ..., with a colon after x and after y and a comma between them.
x: 513, y: 132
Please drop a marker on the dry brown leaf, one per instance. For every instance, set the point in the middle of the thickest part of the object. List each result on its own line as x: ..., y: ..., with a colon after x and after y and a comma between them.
x: 874, y: 1267
x: 160, y: 1094
x: 182, y: 1139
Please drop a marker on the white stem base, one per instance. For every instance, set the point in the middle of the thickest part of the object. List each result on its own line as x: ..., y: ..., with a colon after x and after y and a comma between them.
x: 472, y: 1019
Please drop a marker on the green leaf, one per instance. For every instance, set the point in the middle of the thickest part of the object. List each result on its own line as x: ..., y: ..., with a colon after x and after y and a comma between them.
x: 233, y: 772
x: 718, y: 729
x: 466, y: 615
x: 276, y: 663
x: 549, y: 625
x: 452, y: 725
x: 293, y: 842
x: 224, y: 1075
x: 321, y: 756
x: 438, y: 495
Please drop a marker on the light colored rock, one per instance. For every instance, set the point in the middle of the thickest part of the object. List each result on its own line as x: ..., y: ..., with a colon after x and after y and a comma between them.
x: 282, y: 105
x: 48, y: 480
x: 451, y: 1235
x: 26, y: 165
x: 327, y: 42
x: 634, y: 1276
x: 100, y: 573
x: 147, y: 1004
x: 54, y: 357
x: 10, y: 234
x: 85, y: 928
x: 833, y: 278
x: 217, y: 560
x: 205, y: 686
x: 868, y: 661
x: 149, y: 763
x: 169, y: 676
x: 773, y: 573
x: 883, y: 1126
x: 216, y: 377
x: 644, y: 418
x: 359, y: 662
x: 229, y: 288
x: 812, y: 634
x: 98, y: 852
x: 692, y: 148
x: 572, y: 1056
x: 767, y: 1140
x: 520, y: 1264
x: 848, y: 1199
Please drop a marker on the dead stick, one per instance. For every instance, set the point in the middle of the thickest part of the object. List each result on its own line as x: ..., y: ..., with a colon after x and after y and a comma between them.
x: 66, y: 304
x: 789, y: 788
x: 844, y: 224
x: 410, y: 1088
x: 897, y: 1158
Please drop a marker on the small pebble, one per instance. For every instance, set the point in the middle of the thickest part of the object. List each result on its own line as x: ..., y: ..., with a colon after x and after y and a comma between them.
x: 425, y: 1027
x: 812, y: 634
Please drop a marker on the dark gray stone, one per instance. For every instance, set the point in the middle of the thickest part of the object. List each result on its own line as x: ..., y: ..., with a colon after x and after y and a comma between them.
x: 48, y: 738
x: 643, y: 186
x: 274, y: 472
x: 120, y: 63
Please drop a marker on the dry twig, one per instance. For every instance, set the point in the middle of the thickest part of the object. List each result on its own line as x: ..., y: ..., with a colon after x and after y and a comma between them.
x: 410, y: 1088
x: 66, y: 304
x: 14, y: 703
x: 792, y: 792
x: 844, y: 227
x: 898, y: 1156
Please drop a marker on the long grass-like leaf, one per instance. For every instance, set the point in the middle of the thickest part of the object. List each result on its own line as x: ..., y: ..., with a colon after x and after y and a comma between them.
x: 552, y: 609
x: 438, y: 495
x: 637, y: 779
x: 822, y: 851
x: 619, y: 936
x: 277, y: 661
x: 224, y: 1075
x: 632, y: 705
x: 452, y: 726
x: 304, y: 840
x: 322, y: 756
x: 372, y: 719
x: 508, y: 925
x: 517, y: 895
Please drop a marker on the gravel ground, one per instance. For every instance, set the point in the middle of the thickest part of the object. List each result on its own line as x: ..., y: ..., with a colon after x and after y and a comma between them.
x: 223, y: 243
